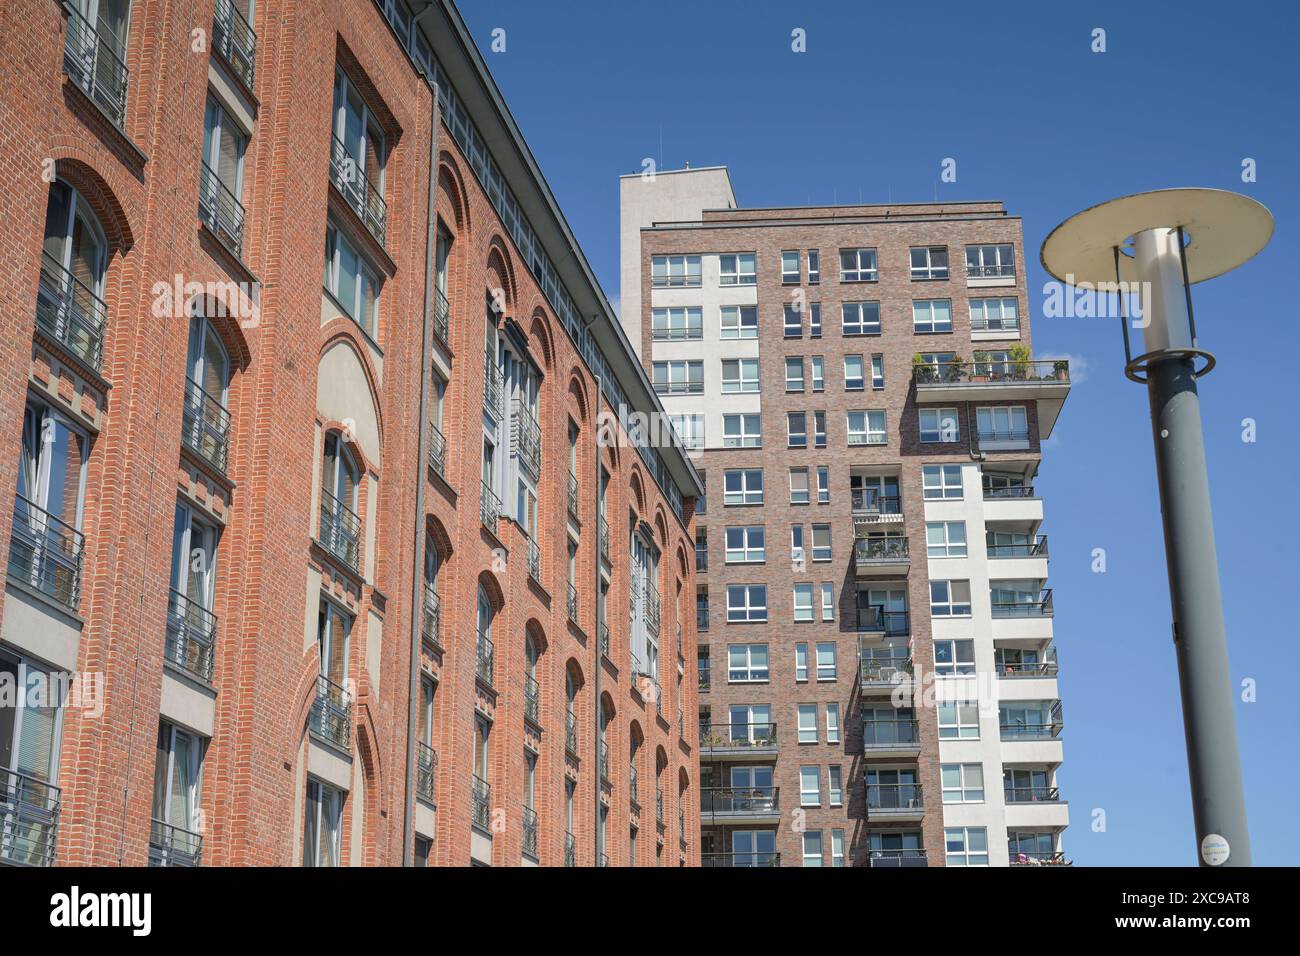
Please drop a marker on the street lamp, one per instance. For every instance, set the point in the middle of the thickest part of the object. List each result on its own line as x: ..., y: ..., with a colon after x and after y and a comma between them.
x: 1160, y: 243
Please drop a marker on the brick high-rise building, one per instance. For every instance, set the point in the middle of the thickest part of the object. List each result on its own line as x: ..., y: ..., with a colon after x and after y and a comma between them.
x: 312, y: 552
x: 876, y: 666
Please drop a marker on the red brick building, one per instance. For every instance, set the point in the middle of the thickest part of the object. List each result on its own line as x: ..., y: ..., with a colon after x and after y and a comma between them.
x: 315, y: 552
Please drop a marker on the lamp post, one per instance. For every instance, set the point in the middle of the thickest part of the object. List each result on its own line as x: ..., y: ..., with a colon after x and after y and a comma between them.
x: 1160, y: 243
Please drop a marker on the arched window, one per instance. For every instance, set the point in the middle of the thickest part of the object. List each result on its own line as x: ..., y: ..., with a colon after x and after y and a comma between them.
x: 70, y: 305
x: 532, y: 689
x: 340, y: 528
x: 486, y: 613
x: 432, y: 602
x: 207, y: 372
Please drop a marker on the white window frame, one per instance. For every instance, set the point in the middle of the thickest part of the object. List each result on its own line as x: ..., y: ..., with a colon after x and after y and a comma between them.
x: 750, y: 671
x: 794, y: 383
x: 822, y: 552
x: 803, y: 609
x: 738, y: 268
x: 737, y: 322
x: 794, y: 491
x: 951, y: 605
x: 967, y: 789
x: 337, y: 243
x: 859, y: 264
x: 811, y: 844
x: 958, y: 719
x: 677, y: 323
x: 743, y: 437
x: 854, y: 373
x: 675, y: 272
x: 938, y: 426
x: 958, y: 664
x: 751, y: 546
x: 945, y: 539
x: 796, y: 429
x: 789, y: 277
x: 928, y: 269
x: 877, y: 372
x: 927, y: 316
x: 827, y: 661
x: 832, y: 723
x: 807, y: 728
x: 1002, y: 423
x: 939, y: 478
x: 865, y: 318
x: 966, y: 856
x: 748, y: 484
x: 801, y: 663
x: 870, y: 430
x: 814, y: 267
x: 835, y: 785
x: 739, y: 376
x: 325, y: 803
x: 828, y: 600
x: 818, y: 373
x: 680, y: 376
x: 749, y: 610
x: 989, y: 261
x: 810, y: 797
x: 792, y: 321
x: 982, y: 321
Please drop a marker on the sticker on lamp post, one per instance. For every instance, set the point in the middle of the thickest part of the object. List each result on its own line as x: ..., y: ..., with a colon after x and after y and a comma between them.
x: 1214, y: 849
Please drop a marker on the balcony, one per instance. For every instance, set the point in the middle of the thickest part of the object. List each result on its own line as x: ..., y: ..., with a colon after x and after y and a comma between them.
x: 96, y: 62
x: 437, y: 451
x: 534, y: 561
x: 881, y: 670
x: 571, y: 734
x: 745, y: 804
x: 881, y: 557
x: 340, y: 530
x: 1046, y: 668
x: 526, y: 436
x: 1031, y: 607
x: 896, y: 858
x: 573, y: 495
x: 493, y: 387
x: 205, y: 426
x: 480, y: 804
x: 572, y: 605
x: 740, y: 859
x: 1035, y: 549
x: 331, y: 714
x: 871, y: 510
x: 890, y: 738
x: 489, y: 508
x: 426, y: 773
x: 174, y: 846
x: 29, y: 819
x: 432, y: 627
x: 532, y: 701
x: 220, y: 210
x: 530, y: 833
x: 1031, y: 794
x: 1036, y: 858
x: 738, y: 740
x: 894, y: 801
x: 348, y: 176
x: 875, y: 619
x: 652, y: 609
x: 1045, y: 381
x: 70, y: 314
x: 45, y: 553
x: 484, y: 658
x: 191, y: 636
x: 235, y: 40
x: 441, y: 316
x: 570, y: 849
x: 604, y: 538
x: 1047, y: 727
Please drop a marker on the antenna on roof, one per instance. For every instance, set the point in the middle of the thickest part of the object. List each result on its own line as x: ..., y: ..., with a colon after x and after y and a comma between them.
x: 688, y: 164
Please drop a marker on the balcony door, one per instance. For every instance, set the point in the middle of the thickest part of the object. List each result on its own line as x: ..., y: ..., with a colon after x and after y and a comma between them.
x: 194, y: 558
x: 320, y: 841
x: 223, y: 154
x: 341, y: 475
x: 176, y: 789
x: 46, y: 547
x: 356, y: 128
x: 753, y: 848
x: 335, y: 629
x: 74, y: 240
x: 30, y: 729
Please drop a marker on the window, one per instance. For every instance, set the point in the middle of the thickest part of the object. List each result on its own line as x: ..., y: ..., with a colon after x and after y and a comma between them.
x: 799, y: 486
x: 832, y: 723
x: 803, y: 604
x: 819, y: 439
x: 701, y: 549
x: 958, y: 720
x: 826, y: 661
x: 929, y: 262
x: 801, y: 662
x: 44, y: 551
x: 812, y: 846
x: 742, y: 431
x: 176, y: 786
x: 340, y: 528
x: 320, y: 836
x: 994, y: 315
x: 794, y: 374
x: 823, y: 472
x: 747, y: 663
x: 941, y: 482
x: 752, y: 848
x: 818, y: 373
x: 191, y: 628
x: 858, y: 265
x: 860, y: 318
x: 963, y: 782
x: 790, y: 267
x: 682, y: 272
x: 834, y: 786
x: 796, y: 427
x: 828, y: 601
x: 738, y: 322
x: 745, y: 545
x: 701, y: 502
x: 1002, y: 423
x: 966, y: 846
x: 938, y: 425
x: 739, y: 375
x: 954, y: 657
x: 814, y: 267
x: 837, y: 848
x: 221, y: 177
x: 810, y: 787
x: 690, y: 430
x: 684, y: 323
x: 678, y: 378
x: 807, y: 723
x: 358, y: 133
x: 792, y: 321
x: 353, y: 284
x: 949, y: 598
x: 821, y: 542
x: 995, y: 261
x: 737, y: 269
x: 853, y: 380
x: 796, y: 545
x: 743, y: 486
x: 423, y: 847
x: 746, y: 603
x: 931, y: 315
x: 814, y: 320
x: 945, y: 539
x: 867, y: 428
x: 877, y: 372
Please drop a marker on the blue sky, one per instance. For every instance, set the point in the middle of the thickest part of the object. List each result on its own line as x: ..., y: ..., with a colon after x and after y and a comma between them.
x: 1013, y: 92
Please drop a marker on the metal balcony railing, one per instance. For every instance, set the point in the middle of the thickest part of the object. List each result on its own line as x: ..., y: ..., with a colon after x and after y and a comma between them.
x: 96, y: 62
x: 484, y: 658
x: 205, y: 426
x: 481, y: 801
x: 1031, y: 549
x: 493, y: 387
x: 437, y: 451
x: 1002, y: 434
x: 681, y: 827
x: 441, y: 316
x: 737, y: 736
x: 887, y: 734
x: 1031, y: 794
x: 659, y: 806
x: 896, y: 858
x: 348, y: 174
x: 534, y: 561
x: 526, y: 435
x: 1048, y: 729
x: 604, y: 762
x: 894, y: 796
x: 604, y: 538
x: 29, y: 819
x: 888, y: 550
x: 702, y: 619
x: 570, y: 849
x: 1042, y: 607
x: 331, y: 713
x: 532, y: 701
x: 70, y: 313
x: 1038, y: 858
x: 432, y: 627
x: 45, y: 553
x: 220, y: 210
x: 191, y: 636
x: 888, y: 665
x: 170, y: 845
x: 1011, y: 491
x: 573, y: 494
x: 998, y: 270
x: 870, y: 503
x: 340, y: 530
x: 571, y: 734
x: 572, y: 604
x: 1048, y: 667
x: 530, y: 832
x: 489, y: 508
x: 426, y: 773
x: 740, y: 859
x: 999, y: 372
x: 235, y: 40
x: 634, y: 788
x: 741, y: 801
x: 705, y: 675
x: 876, y: 618
x: 652, y: 608
x: 606, y: 644
x: 603, y: 859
